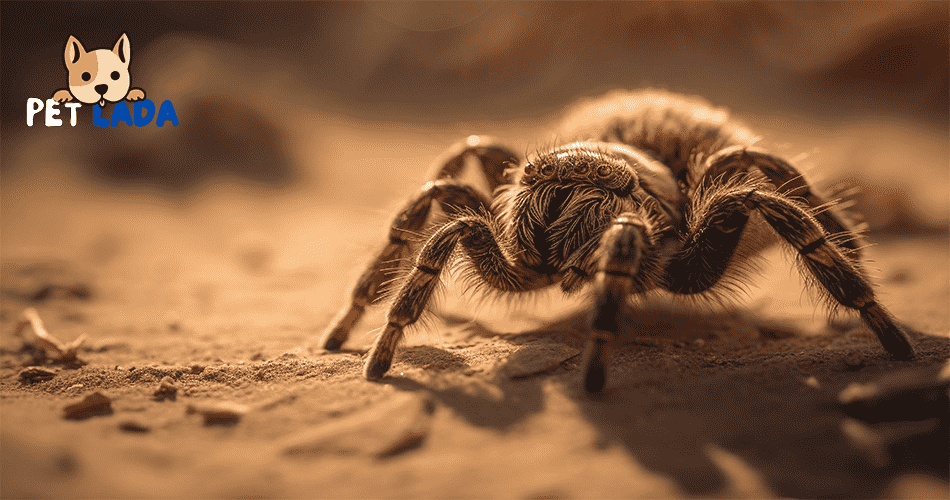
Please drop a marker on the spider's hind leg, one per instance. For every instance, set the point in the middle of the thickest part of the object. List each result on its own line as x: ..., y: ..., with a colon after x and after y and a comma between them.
x: 716, y: 232
x: 738, y: 160
x: 493, y: 159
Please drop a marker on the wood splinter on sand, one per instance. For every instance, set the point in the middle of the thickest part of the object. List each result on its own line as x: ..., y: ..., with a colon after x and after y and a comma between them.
x: 60, y: 351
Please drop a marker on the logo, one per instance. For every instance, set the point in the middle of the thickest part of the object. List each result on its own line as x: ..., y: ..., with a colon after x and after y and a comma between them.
x: 99, y: 77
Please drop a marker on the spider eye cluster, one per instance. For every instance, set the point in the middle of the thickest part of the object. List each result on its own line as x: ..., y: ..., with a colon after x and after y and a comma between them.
x: 581, y: 163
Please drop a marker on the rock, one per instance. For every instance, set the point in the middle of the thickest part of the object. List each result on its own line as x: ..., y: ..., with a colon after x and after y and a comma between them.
x: 166, y: 390
x: 223, y: 413
x: 133, y: 426
x: 386, y: 430
x: 537, y: 357
x: 92, y: 405
x: 36, y: 374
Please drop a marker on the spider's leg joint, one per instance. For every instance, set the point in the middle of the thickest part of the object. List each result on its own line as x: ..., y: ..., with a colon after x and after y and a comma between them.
x: 867, y: 305
x: 427, y: 269
x: 480, y: 246
x: 578, y: 271
x: 813, y: 246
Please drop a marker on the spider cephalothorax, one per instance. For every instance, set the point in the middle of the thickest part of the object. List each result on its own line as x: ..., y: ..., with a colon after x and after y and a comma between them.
x: 659, y: 192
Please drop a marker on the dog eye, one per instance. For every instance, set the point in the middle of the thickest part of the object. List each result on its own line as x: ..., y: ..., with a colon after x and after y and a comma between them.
x: 86, y: 76
x: 115, y: 75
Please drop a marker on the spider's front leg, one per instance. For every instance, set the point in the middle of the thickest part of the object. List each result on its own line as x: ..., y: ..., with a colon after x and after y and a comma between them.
x: 788, y: 181
x: 451, y: 195
x: 626, y: 251
x: 480, y: 244
x: 715, y: 234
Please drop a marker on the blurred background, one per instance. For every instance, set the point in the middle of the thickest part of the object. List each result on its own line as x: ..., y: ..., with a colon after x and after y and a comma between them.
x: 231, y: 240
x: 303, y: 125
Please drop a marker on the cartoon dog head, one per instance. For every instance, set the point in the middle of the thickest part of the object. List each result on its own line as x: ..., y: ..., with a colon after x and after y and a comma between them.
x: 100, y: 75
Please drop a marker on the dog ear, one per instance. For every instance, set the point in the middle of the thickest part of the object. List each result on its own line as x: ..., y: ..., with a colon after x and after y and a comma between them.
x: 74, y: 51
x: 123, y: 49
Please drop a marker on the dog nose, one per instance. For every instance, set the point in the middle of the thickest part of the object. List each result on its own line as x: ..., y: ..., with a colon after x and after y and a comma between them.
x: 101, y: 88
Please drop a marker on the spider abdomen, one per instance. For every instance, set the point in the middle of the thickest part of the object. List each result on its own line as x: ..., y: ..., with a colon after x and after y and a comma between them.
x: 674, y: 129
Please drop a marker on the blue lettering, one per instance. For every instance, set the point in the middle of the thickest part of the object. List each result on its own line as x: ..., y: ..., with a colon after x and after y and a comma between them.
x: 97, y: 118
x: 166, y: 113
x: 149, y: 107
x: 121, y: 114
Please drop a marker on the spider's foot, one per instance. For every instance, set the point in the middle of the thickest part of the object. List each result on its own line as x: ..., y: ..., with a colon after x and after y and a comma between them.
x: 376, y: 368
x: 903, y: 352
x: 596, y: 377
x: 595, y: 380
x: 900, y: 345
x: 332, y: 343
x: 381, y: 355
x: 335, y: 337
x: 894, y: 339
x: 339, y: 330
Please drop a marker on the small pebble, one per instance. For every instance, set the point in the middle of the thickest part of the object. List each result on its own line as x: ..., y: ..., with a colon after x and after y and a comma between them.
x: 93, y: 405
x: 133, y: 426
x: 166, y: 389
x: 224, y: 413
x: 36, y: 374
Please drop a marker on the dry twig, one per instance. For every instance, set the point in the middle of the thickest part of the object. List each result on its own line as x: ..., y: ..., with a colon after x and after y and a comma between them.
x: 60, y: 351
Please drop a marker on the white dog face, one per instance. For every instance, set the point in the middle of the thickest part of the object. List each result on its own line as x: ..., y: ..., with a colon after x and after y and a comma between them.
x: 101, y: 75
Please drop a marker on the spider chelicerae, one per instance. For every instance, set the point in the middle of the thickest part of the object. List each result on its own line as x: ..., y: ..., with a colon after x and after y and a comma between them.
x: 658, y: 191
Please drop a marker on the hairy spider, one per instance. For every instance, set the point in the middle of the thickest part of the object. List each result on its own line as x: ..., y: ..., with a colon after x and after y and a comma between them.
x: 658, y: 192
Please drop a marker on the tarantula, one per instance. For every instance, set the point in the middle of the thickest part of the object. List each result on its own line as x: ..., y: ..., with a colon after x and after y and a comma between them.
x: 657, y: 191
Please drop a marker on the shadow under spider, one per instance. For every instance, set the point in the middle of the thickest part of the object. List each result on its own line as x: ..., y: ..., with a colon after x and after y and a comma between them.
x: 519, y: 400
x: 669, y: 405
x: 428, y: 357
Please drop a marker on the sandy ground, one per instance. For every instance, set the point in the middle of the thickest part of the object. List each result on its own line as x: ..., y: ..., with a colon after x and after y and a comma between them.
x: 226, y: 294
x: 203, y: 263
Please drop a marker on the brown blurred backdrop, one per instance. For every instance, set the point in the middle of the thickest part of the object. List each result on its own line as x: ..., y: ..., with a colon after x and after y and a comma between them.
x: 445, y: 62
x: 456, y: 60
x: 343, y: 104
